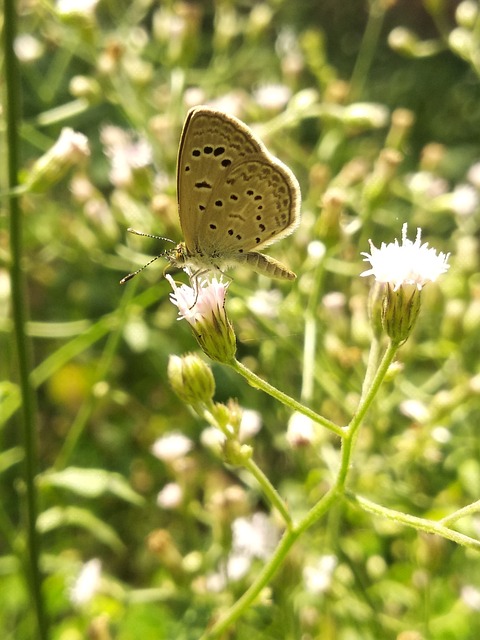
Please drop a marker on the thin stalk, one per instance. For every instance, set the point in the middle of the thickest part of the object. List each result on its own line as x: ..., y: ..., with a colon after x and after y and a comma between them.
x: 242, y: 604
x: 270, y: 491
x: 19, y: 312
x: 257, y: 382
x: 367, y: 49
x: 420, y: 524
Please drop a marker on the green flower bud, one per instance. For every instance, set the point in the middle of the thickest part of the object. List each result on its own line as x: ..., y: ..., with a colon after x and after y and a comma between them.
x: 400, y: 311
x: 191, y: 379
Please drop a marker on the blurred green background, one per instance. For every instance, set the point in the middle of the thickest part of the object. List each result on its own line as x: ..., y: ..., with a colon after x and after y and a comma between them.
x: 374, y: 106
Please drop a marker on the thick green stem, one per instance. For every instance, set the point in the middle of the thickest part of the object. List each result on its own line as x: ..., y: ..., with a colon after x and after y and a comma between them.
x: 258, y: 383
x: 12, y: 83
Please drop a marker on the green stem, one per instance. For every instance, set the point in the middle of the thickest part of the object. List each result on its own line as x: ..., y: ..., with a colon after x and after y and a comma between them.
x: 469, y: 510
x: 367, y: 50
x: 269, y: 490
x: 242, y: 604
x: 208, y: 413
x: 420, y: 524
x: 254, y: 381
x: 12, y: 83
x: 336, y: 491
x: 368, y: 397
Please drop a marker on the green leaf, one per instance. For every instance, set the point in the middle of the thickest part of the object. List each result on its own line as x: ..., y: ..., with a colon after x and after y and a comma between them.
x: 58, y: 517
x: 91, y: 483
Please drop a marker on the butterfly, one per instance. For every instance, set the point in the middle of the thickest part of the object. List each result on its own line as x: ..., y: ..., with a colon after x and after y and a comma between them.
x: 234, y: 198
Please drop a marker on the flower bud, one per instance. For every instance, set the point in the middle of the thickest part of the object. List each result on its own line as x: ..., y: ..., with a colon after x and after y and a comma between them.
x: 400, y: 311
x: 191, y: 379
x: 70, y: 149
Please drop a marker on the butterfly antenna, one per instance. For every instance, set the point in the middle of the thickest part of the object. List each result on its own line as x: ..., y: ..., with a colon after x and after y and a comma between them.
x: 161, y: 255
x: 149, y: 235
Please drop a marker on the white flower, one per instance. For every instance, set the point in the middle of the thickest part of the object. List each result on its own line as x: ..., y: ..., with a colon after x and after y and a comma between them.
x: 87, y: 583
x: 273, y: 96
x: 300, y: 431
x: 171, y: 446
x: 255, y: 536
x: 125, y: 153
x: 409, y: 263
x: 319, y: 576
x: 170, y: 497
x: 464, y: 200
x: 250, y: 424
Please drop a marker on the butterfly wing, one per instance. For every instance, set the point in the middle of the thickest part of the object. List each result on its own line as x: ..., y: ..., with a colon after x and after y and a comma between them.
x: 257, y: 204
x: 210, y: 144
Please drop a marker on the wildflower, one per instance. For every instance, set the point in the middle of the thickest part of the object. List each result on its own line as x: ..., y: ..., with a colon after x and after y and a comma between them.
x: 408, y: 263
x: 319, y: 576
x: 126, y: 154
x: 191, y: 379
x: 171, y: 446
x: 255, y: 536
x: 300, y: 432
x: 404, y: 269
x: 170, y: 497
x: 272, y: 97
x: 70, y: 149
x: 203, y: 307
x: 87, y: 583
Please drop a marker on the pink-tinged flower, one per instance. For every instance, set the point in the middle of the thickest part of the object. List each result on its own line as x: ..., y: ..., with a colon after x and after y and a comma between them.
x: 203, y: 307
x: 408, y: 263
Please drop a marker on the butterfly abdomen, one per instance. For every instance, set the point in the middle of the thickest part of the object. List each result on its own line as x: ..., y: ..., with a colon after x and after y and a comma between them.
x: 266, y: 265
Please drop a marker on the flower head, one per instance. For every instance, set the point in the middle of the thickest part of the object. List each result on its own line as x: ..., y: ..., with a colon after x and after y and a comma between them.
x: 408, y: 263
x: 203, y: 307
x: 402, y: 271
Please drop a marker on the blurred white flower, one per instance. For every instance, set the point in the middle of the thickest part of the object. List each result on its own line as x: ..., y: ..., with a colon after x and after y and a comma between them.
x: 170, y: 497
x: 255, y: 536
x: 265, y: 303
x: 212, y: 438
x: 409, y: 263
x: 471, y: 597
x: 82, y: 7
x: 87, y: 582
x: 473, y: 175
x: 415, y: 409
x: 28, y: 48
x: 250, y: 424
x: 171, y: 446
x: 125, y: 153
x: 464, y: 200
x: 318, y: 577
x: 272, y: 97
x: 300, y: 431
x: 427, y: 184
